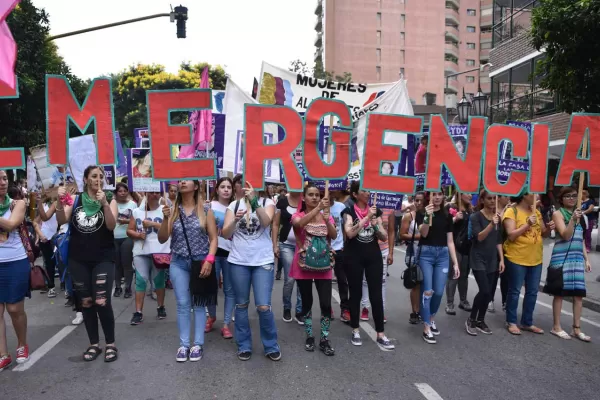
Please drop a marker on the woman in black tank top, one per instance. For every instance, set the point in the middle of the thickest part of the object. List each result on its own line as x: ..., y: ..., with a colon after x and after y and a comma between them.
x: 91, y: 260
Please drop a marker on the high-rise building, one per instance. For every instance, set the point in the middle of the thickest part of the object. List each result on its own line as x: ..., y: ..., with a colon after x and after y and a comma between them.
x: 425, y: 40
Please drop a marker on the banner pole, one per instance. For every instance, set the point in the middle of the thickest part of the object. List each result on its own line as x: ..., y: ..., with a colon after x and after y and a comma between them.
x: 329, y: 155
x: 582, y: 174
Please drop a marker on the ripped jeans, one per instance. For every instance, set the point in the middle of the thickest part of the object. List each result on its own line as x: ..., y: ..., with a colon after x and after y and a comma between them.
x: 93, y: 285
x: 434, y: 262
x: 261, y: 279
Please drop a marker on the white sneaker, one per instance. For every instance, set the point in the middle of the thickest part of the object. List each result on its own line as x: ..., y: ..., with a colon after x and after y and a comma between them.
x: 51, y: 293
x: 78, y: 319
x: 491, y: 308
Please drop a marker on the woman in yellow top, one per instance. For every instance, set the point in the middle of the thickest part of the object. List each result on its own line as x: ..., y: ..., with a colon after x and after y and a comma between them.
x: 523, y: 254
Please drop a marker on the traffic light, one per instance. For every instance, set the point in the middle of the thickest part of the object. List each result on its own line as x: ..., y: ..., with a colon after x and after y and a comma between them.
x: 181, y: 15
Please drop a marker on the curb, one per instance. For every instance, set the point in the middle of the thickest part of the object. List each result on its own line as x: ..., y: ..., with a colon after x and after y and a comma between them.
x: 589, y: 303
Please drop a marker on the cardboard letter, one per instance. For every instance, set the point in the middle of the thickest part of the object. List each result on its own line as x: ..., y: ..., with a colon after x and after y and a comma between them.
x: 377, y: 152
x: 442, y: 152
x: 62, y: 107
x: 163, y: 134
x: 516, y: 180
x: 538, y: 161
x: 256, y: 152
x: 13, y: 157
x: 339, y: 140
x: 571, y: 160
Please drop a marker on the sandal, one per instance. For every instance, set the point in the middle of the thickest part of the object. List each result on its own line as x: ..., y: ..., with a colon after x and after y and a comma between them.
x: 581, y: 336
x: 560, y: 334
x: 92, y: 353
x: 533, y: 329
x: 513, y: 329
x: 111, y: 353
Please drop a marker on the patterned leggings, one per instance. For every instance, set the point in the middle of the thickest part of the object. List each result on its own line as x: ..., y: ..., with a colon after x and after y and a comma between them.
x: 324, y: 290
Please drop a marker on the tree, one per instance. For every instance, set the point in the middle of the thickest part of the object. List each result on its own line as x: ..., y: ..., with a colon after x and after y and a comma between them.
x: 301, y: 67
x: 23, y: 120
x: 129, y: 90
x: 568, y: 30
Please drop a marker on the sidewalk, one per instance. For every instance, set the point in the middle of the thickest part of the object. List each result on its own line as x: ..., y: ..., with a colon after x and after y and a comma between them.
x: 592, y: 301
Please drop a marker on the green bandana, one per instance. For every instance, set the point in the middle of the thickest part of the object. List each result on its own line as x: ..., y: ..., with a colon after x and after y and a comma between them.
x: 5, y: 206
x: 90, y: 206
x: 567, y: 215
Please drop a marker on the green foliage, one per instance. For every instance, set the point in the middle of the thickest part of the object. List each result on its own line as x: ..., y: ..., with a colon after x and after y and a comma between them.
x: 301, y: 67
x: 23, y: 120
x: 129, y: 90
x: 569, y: 31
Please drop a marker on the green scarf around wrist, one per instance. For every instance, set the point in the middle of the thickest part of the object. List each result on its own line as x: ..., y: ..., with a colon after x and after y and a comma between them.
x: 5, y: 205
x: 90, y: 206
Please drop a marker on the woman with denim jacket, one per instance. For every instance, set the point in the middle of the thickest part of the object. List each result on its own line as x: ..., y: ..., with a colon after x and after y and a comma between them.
x: 193, y: 234
x: 251, y: 259
x: 435, y: 251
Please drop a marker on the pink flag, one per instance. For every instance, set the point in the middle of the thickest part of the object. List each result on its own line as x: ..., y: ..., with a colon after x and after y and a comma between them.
x: 8, y: 47
x: 202, y: 123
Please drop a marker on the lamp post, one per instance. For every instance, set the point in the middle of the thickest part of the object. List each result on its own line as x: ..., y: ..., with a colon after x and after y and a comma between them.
x: 464, y: 109
x: 478, y: 105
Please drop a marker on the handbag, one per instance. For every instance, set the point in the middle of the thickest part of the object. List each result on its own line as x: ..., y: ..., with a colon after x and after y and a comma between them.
x: 554, y: 274
x: 37, y: 277
x: 161, y: 260
x: 203, y: 290
x: 412, y: 275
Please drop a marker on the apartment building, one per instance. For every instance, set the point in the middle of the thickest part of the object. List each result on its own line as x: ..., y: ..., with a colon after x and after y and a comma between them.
x: 425, y: 40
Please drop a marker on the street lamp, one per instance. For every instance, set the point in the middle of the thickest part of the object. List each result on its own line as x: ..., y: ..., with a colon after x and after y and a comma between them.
x: 464, y: 109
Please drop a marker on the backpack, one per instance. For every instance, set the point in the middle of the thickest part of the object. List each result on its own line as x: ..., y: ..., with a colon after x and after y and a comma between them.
x: 462, y: 241
x: 316, y: 254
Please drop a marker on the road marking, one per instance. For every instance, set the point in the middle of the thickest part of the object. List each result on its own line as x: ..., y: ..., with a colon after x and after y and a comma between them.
x: 428, y: 391
x: 45, y: 348
x: 365, y: 326
x: 549, y: 306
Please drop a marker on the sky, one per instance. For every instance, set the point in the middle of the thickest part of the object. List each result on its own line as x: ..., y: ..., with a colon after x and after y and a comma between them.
x: 237, y: 34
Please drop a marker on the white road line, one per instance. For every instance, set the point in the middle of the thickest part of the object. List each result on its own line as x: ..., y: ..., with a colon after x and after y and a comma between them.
x: 548, y: 306
x: 365, y: 326
x: 428, y: 391
x: 45, y: 348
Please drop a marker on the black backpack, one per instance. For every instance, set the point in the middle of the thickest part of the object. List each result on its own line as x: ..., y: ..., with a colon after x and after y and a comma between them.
x: 462, y: 241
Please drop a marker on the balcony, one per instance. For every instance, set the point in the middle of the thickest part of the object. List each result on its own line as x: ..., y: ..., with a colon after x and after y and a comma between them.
x: 319, y: 24
x: 319, y: 40
x: 319, y: 9
x: 452, y: 16
x: 318, y: 54
x: 450, y: 67
x: 453, y: 3
x: 452, y: 86
x: 484, y: 55
x: 452, y: 34
x: 451, y: 48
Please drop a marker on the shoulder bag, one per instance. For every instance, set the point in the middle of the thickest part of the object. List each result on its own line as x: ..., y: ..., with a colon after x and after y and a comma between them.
x: 412, y: 275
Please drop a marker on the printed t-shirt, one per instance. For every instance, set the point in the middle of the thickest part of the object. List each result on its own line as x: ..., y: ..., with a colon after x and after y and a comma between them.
x: 251, y: 243
x: 336, y: 211
x: 151, y: 245
x: 125, y: 210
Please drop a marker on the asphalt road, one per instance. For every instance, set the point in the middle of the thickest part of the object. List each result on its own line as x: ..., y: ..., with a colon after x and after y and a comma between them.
x: 459, y: 366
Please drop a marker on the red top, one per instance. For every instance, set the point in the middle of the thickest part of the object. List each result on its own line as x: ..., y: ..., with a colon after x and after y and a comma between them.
x: 420, y: 160
x: 296, y: 272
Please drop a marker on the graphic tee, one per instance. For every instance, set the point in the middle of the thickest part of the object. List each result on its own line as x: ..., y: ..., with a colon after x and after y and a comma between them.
x: 251, y: 243
x: 91, y: 240
x: 151, y: 245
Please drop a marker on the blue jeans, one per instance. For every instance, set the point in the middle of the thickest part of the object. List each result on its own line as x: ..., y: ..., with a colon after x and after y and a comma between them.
x: 286, y: 256
x: 261, y: 278
x: 516, y: 275
x: 434, y: 262
x: 222, y: 266
x: 180, y: 271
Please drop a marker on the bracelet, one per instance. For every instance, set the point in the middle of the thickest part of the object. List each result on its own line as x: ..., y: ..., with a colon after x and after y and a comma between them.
x: 210, y: 258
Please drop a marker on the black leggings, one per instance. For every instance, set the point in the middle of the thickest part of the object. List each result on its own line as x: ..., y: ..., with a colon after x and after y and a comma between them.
x: 485, y: 281
x: 503, y: 285
x: 47, y: 249
x: 124, y: 262
x: 324, y: 290
x: 342, y: 280
x: 369, y: 262
x: 92, y: 282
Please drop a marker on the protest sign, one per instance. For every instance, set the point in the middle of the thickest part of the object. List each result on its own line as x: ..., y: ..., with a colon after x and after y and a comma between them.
x: 140, y: 170
x: 33, y: 181
x: 141, y: 138
x: 110, y: 177
x: 50, y: 176
x: 82, y: 153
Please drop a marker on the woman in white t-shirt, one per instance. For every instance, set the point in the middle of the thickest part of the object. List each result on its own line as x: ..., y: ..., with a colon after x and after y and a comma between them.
x: 251, y: 259
x: 144, y: 224
x: 220, y: 201
x: 46, y: 229
x: 123, y: 244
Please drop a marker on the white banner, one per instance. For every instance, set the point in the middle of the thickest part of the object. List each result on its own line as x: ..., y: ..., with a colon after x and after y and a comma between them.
x: 82, y: 154
x: 235, y: 99
x: 282, y: 87
x: 394, y: 101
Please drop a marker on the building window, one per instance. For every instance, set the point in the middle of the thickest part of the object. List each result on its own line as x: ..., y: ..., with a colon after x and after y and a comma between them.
x: 402, y: 56
x: 378, y: 53
x: 510, y: 19
x: 471, y: 12
x: 402, y: 70
x: 402, y: 35
x: 470, y: 79
x: 379, y: 19
x: 470, y: 63
x: 487, y: 45
x: 378, y: 38
x: 378, y: 70
x: 403, y: 18
x: 471, y: 46
x: 471, y: 29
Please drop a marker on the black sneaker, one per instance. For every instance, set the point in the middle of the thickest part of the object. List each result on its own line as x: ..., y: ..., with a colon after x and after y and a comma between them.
x: 278, y: 276
x: 356, y: 340
x: 300, y: 319
x: 244, y: 356
x: 429, y: 338
x: 470, y: 326
x: 118, y: 292
x: 70, y: 302
x: 287, y: 315
x: 275, y: 356
x: 127, y: 294
x: 162, y: 312
x: 310, y: 344
x: 483, y: 328
x: 434, y: 330
x: 137, y: 318
x: 413, y: 319
x: 326, y: 348
x: 385, y: 344
x: 465, y: 305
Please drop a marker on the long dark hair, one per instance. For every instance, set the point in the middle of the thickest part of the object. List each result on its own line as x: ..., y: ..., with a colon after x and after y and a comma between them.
x: 309, y: 185
x: 215, y: 195
x: 86, y: 173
